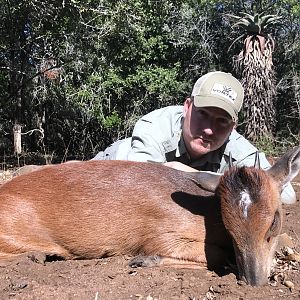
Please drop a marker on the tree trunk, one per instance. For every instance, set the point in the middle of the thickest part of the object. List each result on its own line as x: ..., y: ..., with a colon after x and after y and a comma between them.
x: 17, y: 139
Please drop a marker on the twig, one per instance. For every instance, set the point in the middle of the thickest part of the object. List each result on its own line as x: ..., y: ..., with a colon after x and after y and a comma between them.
x: 30, y: 132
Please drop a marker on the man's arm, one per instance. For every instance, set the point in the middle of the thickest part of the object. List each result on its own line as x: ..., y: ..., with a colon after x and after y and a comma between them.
x: 145, y: 148
x: 180, y: 166
x: 156, y: 134
x: 288, y: 195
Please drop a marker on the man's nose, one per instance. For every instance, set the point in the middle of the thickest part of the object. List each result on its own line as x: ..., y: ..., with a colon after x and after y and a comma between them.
x: 208, y: 130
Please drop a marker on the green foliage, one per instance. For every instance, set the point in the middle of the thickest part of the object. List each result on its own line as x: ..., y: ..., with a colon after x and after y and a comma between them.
x: 112, y: 120
x: 293, y: 6
x: 117, y: 60
x: 275, y: 147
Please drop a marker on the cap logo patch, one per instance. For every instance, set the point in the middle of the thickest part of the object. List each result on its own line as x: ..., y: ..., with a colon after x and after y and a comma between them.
x: 224, y: 91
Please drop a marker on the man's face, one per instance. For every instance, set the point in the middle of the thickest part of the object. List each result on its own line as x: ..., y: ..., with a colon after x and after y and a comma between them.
x: 205, y: 129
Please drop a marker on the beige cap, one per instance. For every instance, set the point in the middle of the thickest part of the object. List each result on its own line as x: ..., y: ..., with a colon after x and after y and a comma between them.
x: 219, y: 89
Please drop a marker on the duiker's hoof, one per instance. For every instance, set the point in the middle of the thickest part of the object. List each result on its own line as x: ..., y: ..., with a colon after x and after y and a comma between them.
x: 145, y: 261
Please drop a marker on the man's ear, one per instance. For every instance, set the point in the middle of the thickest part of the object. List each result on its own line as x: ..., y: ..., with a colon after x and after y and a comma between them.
x: 186, y: 105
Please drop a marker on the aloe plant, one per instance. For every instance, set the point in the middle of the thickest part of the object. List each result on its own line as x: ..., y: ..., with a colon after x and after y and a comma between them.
x: 255, y: 65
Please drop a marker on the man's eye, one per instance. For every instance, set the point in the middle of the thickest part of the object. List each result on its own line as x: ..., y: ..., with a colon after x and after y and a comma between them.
x: 202, y: 113
x: 224, y: 122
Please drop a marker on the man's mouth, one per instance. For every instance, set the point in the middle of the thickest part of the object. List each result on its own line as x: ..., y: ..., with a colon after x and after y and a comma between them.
x: 204, y: 140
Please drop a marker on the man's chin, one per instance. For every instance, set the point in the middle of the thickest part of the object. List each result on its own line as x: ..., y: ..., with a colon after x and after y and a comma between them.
x: 203, y: 149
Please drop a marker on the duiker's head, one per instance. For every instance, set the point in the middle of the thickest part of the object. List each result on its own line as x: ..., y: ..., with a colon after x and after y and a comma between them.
x: 251, y: 212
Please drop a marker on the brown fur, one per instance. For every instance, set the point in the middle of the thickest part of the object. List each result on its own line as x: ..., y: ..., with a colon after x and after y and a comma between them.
x: 102, y: 208
x: 254, y: 252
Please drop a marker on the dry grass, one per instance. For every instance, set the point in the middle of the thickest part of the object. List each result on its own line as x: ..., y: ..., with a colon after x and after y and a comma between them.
x: 5, y: 175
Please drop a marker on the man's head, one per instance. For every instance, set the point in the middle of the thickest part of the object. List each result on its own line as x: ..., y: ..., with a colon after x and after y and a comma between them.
x: 219, y: 89
x: 211, y: 113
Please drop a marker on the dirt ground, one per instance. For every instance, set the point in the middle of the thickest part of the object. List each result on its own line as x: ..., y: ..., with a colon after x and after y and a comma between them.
x: 110, y: 278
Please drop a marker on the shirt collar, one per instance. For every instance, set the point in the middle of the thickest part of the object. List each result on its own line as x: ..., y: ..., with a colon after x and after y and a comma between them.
x: 181, y: 149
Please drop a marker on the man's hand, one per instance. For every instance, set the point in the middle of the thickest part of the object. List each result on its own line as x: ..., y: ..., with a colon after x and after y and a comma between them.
x: 180, y: 166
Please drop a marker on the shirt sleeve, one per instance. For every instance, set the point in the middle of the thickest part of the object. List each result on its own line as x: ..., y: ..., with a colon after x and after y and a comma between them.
x: 288, y: 194
x: 144, y: 145
x: 155, y: 134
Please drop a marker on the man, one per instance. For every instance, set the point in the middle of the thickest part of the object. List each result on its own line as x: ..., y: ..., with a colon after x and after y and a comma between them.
x: 200, y: 135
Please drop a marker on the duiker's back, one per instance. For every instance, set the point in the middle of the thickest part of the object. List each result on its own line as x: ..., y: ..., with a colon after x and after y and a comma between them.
x: 99, y: 208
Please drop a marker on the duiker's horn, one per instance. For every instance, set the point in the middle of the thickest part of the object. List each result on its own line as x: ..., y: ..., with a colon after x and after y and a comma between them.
x: 257, y: 161
x: 230, y: 160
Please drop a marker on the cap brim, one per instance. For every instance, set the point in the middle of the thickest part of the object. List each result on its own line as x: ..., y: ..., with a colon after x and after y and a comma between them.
x: 208, y: 101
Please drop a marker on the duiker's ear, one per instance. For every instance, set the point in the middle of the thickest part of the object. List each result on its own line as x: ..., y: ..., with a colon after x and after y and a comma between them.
x: 207, y: 180
x: 287, y: 167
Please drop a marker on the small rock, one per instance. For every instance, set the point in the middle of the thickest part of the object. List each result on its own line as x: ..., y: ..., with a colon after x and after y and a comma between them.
x: 241, y: 282
x: 293, y: 257
x: 218, y: 289
x: 287, y: 251
x: 16, y: 286
x: 289, y: 284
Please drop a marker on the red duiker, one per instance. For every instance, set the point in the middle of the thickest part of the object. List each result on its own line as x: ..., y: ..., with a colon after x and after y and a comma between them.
x: 96, y: 209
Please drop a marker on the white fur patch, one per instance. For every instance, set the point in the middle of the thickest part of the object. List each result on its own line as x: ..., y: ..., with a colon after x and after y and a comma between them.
x: 245, y: 202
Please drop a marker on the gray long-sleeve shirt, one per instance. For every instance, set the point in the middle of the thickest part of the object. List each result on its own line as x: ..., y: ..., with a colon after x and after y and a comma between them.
x: 157, y: 136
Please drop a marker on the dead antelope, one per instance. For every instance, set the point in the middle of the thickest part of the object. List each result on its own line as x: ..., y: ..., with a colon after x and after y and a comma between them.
x: 96, y: 209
